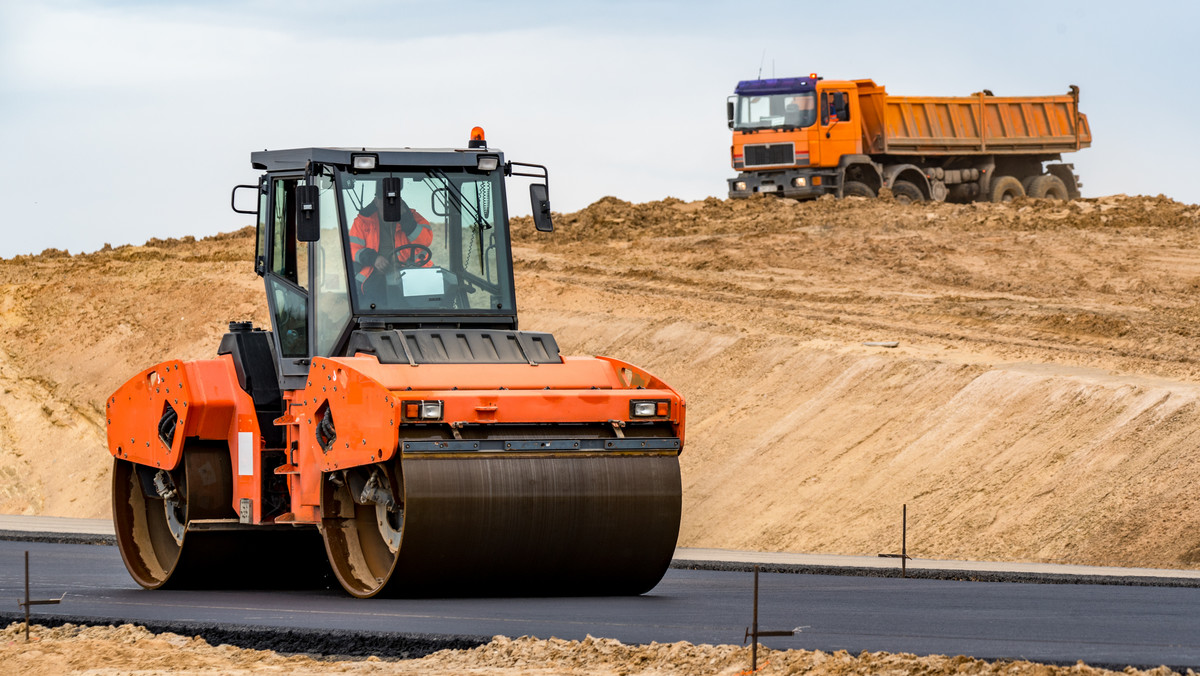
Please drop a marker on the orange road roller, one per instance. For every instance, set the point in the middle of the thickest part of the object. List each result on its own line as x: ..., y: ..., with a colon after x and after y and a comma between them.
x: 393, y: 414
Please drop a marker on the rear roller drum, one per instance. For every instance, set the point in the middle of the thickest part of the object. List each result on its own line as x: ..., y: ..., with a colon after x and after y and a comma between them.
x: 151, y: 508
x: 152, y: 513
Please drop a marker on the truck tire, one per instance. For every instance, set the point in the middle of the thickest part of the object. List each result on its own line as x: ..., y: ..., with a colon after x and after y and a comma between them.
x: 1006, y: 189
x: 856, y: 189
x: 1027, y: 182
x: 1049, y: 187
x: 907, y: 193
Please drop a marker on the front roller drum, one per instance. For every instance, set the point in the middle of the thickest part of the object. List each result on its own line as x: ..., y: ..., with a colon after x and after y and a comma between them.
x: 541, y: 525
x: 151, y: 512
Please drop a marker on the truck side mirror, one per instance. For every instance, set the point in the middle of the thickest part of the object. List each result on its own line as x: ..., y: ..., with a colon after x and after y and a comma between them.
x: 308, y: 214
x: 729, y: 112
x: 392, y: 210
x: 539, y: 199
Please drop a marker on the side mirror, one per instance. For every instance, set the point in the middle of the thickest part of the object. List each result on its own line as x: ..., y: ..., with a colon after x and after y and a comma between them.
x: 729, y: 112
x: 539, y: 199
x: 392, y: 211
x: 308, y: 214
x: 234, y: 196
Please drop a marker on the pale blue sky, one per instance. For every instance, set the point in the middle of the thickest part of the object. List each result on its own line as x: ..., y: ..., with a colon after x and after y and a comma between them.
x: 122, y: 121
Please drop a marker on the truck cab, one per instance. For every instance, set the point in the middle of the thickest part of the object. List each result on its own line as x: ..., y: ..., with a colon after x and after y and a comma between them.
x: 790, y: 134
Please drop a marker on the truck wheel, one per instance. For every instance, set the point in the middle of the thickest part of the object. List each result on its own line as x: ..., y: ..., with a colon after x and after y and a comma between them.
x: 907, y: 193
x: 1027, y: 183
x: 1006, y: 189
x: 1049, y: 187
x: 857, y: 189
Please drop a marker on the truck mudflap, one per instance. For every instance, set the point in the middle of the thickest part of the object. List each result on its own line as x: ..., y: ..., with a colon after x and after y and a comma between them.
x: 529, y: 523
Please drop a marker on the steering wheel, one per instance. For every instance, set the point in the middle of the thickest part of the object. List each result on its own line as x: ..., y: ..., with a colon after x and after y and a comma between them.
x: 419, y: 255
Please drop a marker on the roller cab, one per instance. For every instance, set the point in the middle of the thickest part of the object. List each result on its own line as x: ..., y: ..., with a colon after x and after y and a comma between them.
x: 394, y: 431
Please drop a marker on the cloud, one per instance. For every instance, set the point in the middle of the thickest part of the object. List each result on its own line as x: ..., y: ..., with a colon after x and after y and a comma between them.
x: 73, y: 48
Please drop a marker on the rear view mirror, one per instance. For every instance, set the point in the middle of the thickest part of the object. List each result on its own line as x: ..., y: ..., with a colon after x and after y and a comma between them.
x: 391, y: 199
x: 308, y: 215
x: 233, y: 198
x: 539, y: 199
x: 729, y: 112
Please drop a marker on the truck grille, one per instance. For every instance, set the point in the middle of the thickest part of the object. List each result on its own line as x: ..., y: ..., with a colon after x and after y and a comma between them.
x: 770, y: 154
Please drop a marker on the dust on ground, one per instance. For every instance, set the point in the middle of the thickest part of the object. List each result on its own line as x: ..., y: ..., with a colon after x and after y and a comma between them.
x: 1042, y: 404
x: 129, y: 649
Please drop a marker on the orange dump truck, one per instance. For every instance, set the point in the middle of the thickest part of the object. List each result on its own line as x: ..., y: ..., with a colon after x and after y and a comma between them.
x: 803, y: 137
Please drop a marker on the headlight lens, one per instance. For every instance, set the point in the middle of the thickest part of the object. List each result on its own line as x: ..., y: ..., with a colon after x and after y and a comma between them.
x: 423, y: 410
x: 649, y: 408
x: 800, y: 182
x: 739, y: 186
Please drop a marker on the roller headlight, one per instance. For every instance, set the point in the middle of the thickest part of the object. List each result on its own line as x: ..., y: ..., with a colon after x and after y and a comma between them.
x: 364, y: 161
x: 423, y: 410
x: 649, y: 408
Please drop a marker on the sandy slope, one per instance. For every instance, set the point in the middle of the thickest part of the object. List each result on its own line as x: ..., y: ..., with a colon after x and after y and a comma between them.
x: 1041, y: 405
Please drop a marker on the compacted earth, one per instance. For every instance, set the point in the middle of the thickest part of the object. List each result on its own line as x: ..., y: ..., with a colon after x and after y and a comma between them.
x: 1023, y: 376
x: 129, y: 650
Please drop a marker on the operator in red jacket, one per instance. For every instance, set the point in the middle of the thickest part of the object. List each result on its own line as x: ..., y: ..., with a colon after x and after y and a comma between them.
x: 408, y: 247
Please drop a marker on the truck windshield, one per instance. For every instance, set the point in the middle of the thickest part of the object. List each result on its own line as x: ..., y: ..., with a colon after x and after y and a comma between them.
x: 776, y: 111
x: 447, y: 251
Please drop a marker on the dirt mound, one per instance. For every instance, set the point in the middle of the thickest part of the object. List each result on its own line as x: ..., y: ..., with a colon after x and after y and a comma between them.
x: 611, y: 218
x: 71, y: 649
x: 72, y: 328
x: 1041, y: 405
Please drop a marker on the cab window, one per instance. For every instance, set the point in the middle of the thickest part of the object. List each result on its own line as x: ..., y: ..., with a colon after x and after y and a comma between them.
x: 835, y: 107
x: 287, y: 259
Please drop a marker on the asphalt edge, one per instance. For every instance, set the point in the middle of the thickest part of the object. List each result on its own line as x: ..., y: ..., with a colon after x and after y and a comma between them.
x: 59, y: 538
x: 789, y: 568
x: 341, y: 644
x: 934, y: 574
x: 317, y: 643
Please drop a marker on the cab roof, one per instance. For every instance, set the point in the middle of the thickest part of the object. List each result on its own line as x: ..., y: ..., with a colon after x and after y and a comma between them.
x: 782, y: 85
x: 298, y: 158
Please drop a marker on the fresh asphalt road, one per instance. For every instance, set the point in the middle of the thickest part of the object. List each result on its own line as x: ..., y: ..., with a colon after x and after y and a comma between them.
x: 1100, y: 624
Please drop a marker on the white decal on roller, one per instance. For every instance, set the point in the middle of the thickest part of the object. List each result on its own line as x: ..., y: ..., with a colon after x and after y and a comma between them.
x: 245, y: 454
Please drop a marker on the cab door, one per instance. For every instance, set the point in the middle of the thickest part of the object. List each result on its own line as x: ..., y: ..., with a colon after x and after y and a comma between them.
x: 838, y: 127
x: 286, y: 278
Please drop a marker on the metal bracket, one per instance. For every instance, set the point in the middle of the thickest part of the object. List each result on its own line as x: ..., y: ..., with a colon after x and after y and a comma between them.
x: 33, y: 602
x: 617, y: 425
x: 903, y: 555
x: 753, y: 632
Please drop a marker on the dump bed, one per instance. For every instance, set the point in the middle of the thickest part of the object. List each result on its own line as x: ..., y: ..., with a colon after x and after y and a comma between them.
x: 968, y: 125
